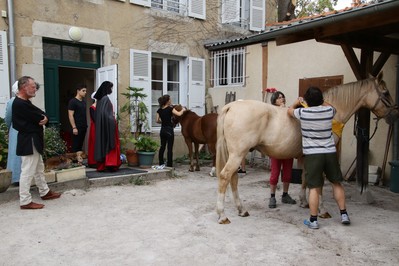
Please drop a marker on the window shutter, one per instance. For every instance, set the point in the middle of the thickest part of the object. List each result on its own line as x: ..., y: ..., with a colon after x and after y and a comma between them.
x: 4, y: 75
x: 197, y: 8
x: 141, y: 2
x: 196, y: 86
x: 140, y: 77
x: 230, y: 11
x: 257, y: 15
x: 109, y: 73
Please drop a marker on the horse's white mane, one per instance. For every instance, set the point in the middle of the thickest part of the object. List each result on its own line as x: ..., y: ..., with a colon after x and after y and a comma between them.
x: 346, y: 94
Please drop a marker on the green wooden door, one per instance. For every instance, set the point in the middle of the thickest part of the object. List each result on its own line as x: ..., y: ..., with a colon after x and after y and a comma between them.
x: 52, y: 92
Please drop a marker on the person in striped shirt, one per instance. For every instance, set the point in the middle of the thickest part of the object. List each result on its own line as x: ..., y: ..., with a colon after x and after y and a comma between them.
x: 319, y: 151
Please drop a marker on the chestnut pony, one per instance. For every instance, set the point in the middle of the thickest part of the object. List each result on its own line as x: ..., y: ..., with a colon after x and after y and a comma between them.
x: 270, y: 130
x: 198, y: 130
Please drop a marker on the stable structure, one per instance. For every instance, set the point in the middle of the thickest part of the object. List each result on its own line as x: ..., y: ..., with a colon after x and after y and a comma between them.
x: 372, y: 30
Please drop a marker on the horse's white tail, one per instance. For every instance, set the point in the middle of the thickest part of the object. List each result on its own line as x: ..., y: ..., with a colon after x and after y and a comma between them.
x: 221, y: 148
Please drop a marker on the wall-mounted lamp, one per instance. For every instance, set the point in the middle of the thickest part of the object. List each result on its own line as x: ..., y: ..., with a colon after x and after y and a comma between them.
x: 75, y: 33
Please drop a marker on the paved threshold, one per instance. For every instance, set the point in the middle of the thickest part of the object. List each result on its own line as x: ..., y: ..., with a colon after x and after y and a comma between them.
x: 12, y: 193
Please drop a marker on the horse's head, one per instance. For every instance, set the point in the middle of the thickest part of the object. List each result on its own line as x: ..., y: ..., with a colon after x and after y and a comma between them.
x: 176, y: 119
x: 381, y: 102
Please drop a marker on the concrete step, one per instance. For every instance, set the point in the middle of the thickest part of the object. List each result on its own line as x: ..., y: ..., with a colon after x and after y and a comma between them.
x: 12, y: 193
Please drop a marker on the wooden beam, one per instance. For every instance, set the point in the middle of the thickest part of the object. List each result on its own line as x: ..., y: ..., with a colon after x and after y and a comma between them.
x: 363, y: 127
x: 352, y: 60
x: 379, y: 64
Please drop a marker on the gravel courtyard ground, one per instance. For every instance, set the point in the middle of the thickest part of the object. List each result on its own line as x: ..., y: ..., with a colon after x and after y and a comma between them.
x: 173, y: 222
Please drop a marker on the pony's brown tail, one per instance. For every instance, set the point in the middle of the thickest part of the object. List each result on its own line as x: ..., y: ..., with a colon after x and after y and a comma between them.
x: 221, y: 148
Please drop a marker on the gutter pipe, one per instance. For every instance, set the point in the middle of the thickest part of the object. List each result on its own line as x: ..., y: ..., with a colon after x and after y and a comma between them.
x: 11, y: 44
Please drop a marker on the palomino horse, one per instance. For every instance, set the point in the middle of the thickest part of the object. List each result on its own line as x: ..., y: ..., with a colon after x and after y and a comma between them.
x: 198, y: 130
x: 273, y: 132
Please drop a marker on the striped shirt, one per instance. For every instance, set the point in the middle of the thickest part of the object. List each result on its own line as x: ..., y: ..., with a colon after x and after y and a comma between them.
x: 316, y: 127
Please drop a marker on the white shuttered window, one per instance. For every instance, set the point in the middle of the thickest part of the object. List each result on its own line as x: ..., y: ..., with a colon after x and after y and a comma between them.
x: 192, y: 8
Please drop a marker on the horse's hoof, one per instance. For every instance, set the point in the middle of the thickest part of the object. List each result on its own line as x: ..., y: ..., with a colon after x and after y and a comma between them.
x: 190, y: 170
x: 245, y: 214
x: 211, y: 174
x: 325, y: 215
x: 224, y: 221
x: 197, y: 169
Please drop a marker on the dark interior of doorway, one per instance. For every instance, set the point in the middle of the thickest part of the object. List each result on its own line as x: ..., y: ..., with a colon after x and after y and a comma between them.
x: 69, y: 78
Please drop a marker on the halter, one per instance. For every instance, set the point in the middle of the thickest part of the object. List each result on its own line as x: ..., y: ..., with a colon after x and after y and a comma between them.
x: 385, y: 101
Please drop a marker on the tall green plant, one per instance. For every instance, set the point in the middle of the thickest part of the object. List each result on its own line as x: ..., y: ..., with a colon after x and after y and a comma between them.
x: 136, y: 113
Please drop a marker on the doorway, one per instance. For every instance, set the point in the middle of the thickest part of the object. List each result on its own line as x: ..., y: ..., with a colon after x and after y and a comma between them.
x: 69, y: 78
x: 66, y: 65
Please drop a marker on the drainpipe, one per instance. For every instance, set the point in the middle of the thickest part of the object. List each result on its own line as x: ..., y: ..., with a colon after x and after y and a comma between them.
x: 11, y: 44
x: 395, y: 145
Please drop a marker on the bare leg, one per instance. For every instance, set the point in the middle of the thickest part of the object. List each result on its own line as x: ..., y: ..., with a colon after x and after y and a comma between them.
x: 314, y: 201
x: 339, y: 195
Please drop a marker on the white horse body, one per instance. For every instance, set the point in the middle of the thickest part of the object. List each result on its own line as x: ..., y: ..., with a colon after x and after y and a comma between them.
x: 247, y: 124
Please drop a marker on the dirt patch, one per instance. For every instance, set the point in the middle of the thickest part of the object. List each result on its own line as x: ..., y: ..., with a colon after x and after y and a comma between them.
x: 173, y: 222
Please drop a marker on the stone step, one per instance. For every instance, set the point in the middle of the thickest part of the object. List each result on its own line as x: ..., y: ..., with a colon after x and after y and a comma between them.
x: 65, y: 184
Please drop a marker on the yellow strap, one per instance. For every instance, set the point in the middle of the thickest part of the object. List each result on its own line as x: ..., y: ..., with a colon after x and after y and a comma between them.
x: 337, y: 127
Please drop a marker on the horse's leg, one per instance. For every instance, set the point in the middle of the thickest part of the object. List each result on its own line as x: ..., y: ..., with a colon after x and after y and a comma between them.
x: 302, y: 194
x: 212, y: 149
x: 234, y: 189
x: 224, y: 180
x: 196, y: 155
x: 190, y: 153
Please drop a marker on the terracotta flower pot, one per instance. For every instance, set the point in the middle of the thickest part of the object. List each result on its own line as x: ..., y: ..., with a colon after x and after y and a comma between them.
x: 132, y: 158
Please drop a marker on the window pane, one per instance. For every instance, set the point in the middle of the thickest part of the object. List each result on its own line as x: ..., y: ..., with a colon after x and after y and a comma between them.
x: 173, y: 70
x: 173, y: 91
x: 89, y: 55
x: 173, y: 5
x: 156, y: 68
x: 157, y: 3
x: 156, y: 91
x: 51, y: 51
x: 70, y: 53
x: 154, y: 116
x: 236, y: 68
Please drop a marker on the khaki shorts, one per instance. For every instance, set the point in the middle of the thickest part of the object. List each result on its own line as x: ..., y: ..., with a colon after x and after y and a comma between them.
x: 317, y: 164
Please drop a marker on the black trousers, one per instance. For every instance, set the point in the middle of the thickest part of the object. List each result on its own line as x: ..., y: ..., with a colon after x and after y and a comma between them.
x: 77, y: 140
x: 167, y: 137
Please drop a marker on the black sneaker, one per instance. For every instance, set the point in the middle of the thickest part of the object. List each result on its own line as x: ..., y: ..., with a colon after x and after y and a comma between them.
x: 240, y: 171
x: 287, y: 199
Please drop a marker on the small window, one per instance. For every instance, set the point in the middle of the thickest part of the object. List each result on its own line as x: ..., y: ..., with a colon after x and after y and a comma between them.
x: 176, y: 6
x: 70, y: 53
x: 51, y: 51
x: 228, y: 67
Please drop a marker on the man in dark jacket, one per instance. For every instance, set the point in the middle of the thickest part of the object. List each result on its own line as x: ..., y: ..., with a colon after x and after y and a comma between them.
x: 29, y: 120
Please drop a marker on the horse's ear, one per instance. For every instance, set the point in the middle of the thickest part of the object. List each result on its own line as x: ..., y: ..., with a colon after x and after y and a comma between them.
x: 379, y: 77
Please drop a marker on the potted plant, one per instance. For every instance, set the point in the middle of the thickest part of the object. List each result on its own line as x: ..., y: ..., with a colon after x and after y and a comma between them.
x: 146, y: 147
x: 136, y: 113
x: 54, y: 145
x: 5, y: 175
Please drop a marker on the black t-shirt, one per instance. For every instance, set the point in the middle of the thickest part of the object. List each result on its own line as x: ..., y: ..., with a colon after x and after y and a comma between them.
x: 79, y: 108
x: 166, y: 116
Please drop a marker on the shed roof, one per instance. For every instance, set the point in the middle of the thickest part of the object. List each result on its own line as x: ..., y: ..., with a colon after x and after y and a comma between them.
x: 372, y: 26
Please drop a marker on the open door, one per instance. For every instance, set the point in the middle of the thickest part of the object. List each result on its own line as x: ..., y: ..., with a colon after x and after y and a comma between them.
x: 109, y: 73
x: 196, y: 85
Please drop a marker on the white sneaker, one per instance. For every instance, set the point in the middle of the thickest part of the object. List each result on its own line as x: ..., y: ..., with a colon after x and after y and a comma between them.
x: 311, y: 225
x: 345, y: 219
